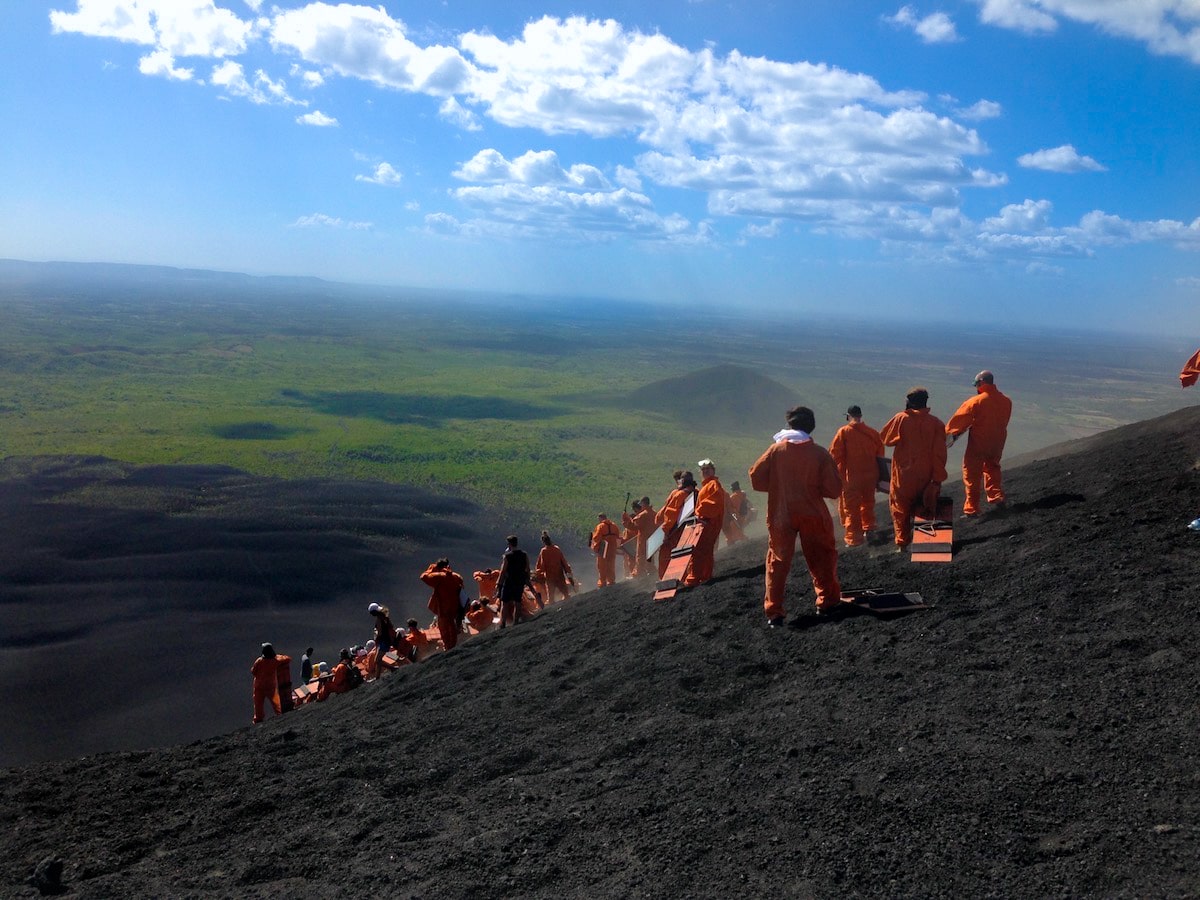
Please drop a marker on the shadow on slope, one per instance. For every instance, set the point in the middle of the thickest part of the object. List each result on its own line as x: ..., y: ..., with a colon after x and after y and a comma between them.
x: 1032, y: 735
x: 141, y: 581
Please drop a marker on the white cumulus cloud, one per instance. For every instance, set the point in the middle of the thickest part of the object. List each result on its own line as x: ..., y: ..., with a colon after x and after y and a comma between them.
x: 384, y: 174
x: 179, y: 27
x: 318, y: 119
x: 161, y: 62
x: 935, y: 28
x: 1060, y: 159
x: 1166, y: 27
x: 263, y: 90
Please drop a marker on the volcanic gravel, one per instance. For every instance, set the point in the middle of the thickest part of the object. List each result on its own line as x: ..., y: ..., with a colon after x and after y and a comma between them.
x: 1034, y: 734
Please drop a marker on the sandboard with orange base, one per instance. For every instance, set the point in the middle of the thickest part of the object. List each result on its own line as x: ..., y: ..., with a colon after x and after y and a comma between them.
x: 933, y: 539
x: 884, y: 602
x: 681, y: 563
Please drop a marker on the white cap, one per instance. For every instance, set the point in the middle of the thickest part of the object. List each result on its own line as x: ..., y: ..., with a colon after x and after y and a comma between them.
x: 705, y: 463
x: 374, y: 608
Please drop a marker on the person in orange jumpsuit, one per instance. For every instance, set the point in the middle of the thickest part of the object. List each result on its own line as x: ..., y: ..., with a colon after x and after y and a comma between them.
x: 446, y: 600
x: 643, y: 525
x: 1190, y: 372
x: 553, y: 570
x: 480, y: 617
x: 603, y: 543
x: 667, y: 518
x: 985, y: 417
x: 856, y: 448
x: 629, y: 533
x: 735, y: 500
x: 283, y: 682
x: 797, y: 474
x: 710, y: 511
x: 339, y: 682
x: 918, y: 439
x: 416, y: 643
x: 265, y: 672
x: 486, y: 580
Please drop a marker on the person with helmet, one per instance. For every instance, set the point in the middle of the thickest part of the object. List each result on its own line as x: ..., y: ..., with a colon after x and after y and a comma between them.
x: 985, y: 416
x: 918, y: 439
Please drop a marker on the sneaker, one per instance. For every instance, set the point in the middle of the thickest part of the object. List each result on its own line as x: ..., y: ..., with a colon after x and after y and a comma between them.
x: 776, y: 622
x: 901, y: 548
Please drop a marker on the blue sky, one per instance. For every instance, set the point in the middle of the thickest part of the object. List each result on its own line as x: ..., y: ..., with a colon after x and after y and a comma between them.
x: 1028, y: 162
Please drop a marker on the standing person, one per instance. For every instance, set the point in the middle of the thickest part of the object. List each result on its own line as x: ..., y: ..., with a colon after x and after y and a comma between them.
x: 644, y: 525
x: 603, y: 543
x: 265, y: 672
x: 918, y: 461
x: 735, y: 504
x: 986, y: 417
x: 553, y: 570
x: 856, y: 448
x: 385, y: 635
x: 710, y: 511
x: 797, y: 474
x: 283, y: 682
x: 510, y: 586
x: 629, y: 533
x: 306, y: 665
x: 667, y: 518
x: 446, y: 600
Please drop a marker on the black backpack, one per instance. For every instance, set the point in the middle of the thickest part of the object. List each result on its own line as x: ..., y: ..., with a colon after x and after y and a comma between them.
x: 355, y: 678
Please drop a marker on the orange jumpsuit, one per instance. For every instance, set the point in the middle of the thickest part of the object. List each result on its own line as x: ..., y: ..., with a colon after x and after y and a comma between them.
x: 552, y: 570
x: 855, y: 449
x: 628, y: 559
x: 481, y: 618
x: 986, y: 417
x: 918, y: 460
x: 1190, y: 372
x: 338, y: 684
x: 795, y: 476
x: 710, y: 511
x: 604, y: 544
x: 266, y: 686
x: 644, y: 525
x: 417, y: 645
x: 487, y: 582
x: 445, y: 602
x: 667, y: 518
x: 732, y: 529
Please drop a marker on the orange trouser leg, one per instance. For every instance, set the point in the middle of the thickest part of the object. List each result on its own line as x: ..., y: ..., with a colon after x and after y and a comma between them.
x: 702, y: 552
x: 261, y: 697
x: 606, y: 571
x: 902, y: 512
x: 448, y: 628
x: 781, y: 547
x: 993, y: 484
x: 858, y: 513
x: 820, y: 552
x: 972, y: 475
x: 556, y: 587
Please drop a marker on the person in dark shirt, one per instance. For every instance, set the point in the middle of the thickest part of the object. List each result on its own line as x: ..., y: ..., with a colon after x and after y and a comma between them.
x: 510, y: 586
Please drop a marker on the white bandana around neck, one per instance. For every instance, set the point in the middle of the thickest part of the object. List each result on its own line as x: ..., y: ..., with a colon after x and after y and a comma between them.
x: 793, y: 436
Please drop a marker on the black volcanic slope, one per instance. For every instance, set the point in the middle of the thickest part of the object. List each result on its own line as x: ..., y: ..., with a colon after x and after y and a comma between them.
x: 1033, y: 735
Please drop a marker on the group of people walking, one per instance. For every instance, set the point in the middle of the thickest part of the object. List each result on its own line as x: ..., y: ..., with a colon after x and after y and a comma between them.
x: 797, y: 475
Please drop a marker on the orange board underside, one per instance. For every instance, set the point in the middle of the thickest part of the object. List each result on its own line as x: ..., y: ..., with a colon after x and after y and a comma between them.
x: 680, y: 564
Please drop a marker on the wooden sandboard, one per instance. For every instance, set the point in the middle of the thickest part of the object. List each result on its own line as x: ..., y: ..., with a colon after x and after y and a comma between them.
x: 680, y: 564
x: 933, y: 539
x: 884, y: 602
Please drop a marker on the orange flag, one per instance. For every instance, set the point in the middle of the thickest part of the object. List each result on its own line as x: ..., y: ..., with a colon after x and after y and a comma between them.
x: 1191, y: 370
